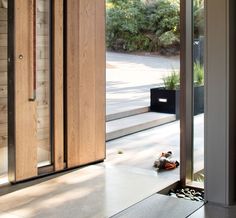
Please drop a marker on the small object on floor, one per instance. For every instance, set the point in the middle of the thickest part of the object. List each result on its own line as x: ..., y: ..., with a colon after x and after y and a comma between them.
x: 188, y: 194
x: 165, y: 162
x: 120, y: 152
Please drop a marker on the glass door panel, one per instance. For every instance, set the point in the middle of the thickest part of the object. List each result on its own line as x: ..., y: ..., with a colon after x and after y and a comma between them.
x: 43, y: 78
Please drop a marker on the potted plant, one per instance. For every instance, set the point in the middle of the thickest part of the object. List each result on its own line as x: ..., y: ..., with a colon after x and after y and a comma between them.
x: 166, y: 99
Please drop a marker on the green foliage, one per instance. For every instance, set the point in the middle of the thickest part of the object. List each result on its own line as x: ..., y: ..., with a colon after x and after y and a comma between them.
x: 172, y: 81
x: 148, y: 25
x: 168, y: 38
x: 198, y: 74
x: 142, y: 25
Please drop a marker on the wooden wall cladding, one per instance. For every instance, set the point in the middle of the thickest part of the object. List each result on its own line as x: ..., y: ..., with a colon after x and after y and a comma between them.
x: 85, y: 81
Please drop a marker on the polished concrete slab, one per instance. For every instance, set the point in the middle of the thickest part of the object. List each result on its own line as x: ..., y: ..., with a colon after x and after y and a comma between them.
x: 95, y: 191
x: 160, y: 206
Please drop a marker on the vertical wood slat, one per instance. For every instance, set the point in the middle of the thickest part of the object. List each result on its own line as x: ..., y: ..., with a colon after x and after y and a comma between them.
x: 25, y: 111
x: 73, y: 113
x: 100, y: 81
x: 85, y: 81
x: 58, y: 114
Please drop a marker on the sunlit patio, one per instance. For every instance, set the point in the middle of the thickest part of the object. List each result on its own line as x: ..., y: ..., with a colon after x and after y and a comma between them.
x: 129, y: 79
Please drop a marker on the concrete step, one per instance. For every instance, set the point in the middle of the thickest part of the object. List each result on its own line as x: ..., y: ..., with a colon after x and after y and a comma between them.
x: 132, y: 124
x: 161, y: 206
x: 128, y: 113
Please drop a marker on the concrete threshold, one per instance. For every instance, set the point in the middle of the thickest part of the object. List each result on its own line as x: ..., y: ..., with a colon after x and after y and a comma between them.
x: 161, y: 206
x: 132, y: 124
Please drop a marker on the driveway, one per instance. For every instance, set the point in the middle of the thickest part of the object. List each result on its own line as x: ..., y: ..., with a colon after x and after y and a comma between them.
x: 130, y: 77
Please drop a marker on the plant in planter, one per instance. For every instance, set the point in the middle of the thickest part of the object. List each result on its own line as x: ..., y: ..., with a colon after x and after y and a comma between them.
x: 171, y: 82
x: 166, y: 99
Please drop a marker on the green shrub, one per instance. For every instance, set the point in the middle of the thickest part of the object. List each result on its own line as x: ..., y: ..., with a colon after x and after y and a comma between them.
x: 172, y: 81
x: 148, y: 25
x: 138, y: 25
x: 168, y: 38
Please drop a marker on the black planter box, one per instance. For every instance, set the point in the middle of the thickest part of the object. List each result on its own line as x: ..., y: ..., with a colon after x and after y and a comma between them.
x: 167, y: 101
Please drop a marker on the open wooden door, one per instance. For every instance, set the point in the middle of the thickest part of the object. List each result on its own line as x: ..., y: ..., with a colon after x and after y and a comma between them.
x: 35, y: 87
x: 22, y: 122
x: 56, y: 85
x: 85, y: 60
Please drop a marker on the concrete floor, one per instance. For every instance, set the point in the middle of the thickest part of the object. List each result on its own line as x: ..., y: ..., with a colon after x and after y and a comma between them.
x: 95, y: 191
x: 123, y: 179
x: 105, y: 189
x: 141, y: 149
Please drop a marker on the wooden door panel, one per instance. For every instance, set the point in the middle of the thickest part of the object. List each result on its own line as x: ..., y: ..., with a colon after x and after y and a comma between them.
x: 22, y: 129
x: 85, y: 81
x: 58, y: 105
x: 29, y: 119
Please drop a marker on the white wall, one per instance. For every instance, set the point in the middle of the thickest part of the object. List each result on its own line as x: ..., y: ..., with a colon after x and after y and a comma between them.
x: 220, y: 110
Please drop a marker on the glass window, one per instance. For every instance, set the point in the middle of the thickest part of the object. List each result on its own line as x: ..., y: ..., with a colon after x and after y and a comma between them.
x: 43, y: 72
x: 198, y: 90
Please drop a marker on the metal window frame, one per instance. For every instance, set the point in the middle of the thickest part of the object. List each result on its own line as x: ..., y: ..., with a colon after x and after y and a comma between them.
x: 186, y: 91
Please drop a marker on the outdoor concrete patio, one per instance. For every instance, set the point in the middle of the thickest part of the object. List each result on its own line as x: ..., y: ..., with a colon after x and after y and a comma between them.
x: 129, y: 79
x: 141, y: 149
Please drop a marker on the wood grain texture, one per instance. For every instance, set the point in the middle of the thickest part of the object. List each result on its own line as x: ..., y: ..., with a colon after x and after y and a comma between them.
x: 25, y: 111
x: 100, y: 79
x: 73, y: 112
x: 58, y: 86
x: 85, y: 81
